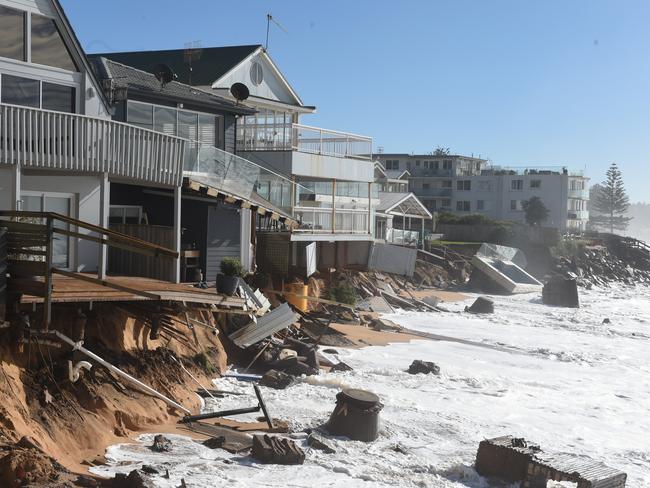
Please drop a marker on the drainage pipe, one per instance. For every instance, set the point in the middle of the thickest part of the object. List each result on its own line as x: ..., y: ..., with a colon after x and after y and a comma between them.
x: 78, y: 346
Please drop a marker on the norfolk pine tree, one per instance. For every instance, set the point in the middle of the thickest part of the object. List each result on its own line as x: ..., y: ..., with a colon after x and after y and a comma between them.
x: 611, y: 202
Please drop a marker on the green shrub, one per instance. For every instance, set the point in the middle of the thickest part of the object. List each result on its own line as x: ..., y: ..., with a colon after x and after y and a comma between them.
x: 342, y: 292
x: 232, y: 267
x: 202, y: 361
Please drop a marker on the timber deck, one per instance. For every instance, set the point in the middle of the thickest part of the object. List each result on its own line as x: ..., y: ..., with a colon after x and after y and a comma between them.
x: 71, y: 290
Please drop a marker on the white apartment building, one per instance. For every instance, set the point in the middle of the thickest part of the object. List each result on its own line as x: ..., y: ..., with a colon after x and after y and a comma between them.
x: 464, y: 185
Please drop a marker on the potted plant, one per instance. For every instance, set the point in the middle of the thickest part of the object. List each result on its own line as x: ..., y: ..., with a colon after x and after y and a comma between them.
x: 228, y: 279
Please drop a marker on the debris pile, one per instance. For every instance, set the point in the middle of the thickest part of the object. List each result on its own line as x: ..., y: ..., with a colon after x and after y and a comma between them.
x: 596, y: 265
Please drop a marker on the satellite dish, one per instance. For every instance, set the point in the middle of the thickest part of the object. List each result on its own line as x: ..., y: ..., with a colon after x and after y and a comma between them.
x: 239, y: 91
x: 164, y: 74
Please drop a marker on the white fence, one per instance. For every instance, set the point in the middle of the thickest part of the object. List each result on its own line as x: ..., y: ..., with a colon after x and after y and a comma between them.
x: 60, y: 141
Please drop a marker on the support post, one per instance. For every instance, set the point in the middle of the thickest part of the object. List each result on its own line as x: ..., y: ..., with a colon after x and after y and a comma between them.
x: 16, y: 174
x: 104, y: 208
x: 176, y: 278
x: 370, y: 223
x: 333, y: 206
x: 47, y: 300
x: 422, y: 235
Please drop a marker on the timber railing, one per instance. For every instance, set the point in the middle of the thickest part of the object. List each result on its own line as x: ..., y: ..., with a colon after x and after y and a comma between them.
x: 45, y: 139
x: 30, y: 243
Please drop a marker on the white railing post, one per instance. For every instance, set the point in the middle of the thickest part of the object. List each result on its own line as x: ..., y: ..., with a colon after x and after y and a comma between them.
x: 176, y: 278
x: 104, y: 208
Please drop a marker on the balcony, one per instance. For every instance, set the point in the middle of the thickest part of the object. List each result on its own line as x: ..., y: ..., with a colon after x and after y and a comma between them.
x: 239, y: 176
x: 307, y: 151
x: 578, y: 215
x: 579, y: 194
x: 42, y: 139
x: 320, y: 220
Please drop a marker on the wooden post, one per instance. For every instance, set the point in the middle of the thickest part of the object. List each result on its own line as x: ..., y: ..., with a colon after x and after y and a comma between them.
x: 104, y: 207
x: 47, y: 301
x: 177, y: 234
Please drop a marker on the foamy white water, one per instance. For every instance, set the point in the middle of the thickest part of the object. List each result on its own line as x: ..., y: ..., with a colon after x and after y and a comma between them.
x: 565, y: 380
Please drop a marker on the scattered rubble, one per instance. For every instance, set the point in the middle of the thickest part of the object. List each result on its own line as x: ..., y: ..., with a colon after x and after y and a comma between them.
x: 418, y: 366
x: 161, y: 444
x: 561, y: 292
x: 276, y: 379
x: 516, y: 460
x: 135, y: 479
x: 481, y: 305
x: 276, y: 450
x: 317, y: 441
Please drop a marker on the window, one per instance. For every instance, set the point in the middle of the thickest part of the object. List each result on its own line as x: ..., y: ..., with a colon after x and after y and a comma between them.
x: 417, y: 163
x: 435, y: 164
x: 426, y: 186
x: 485, y: 185
x: 426, y: 164
x: 446, y: 183
x: 125, y: 214
x: 12, y: 34
x: 257, y: 73
x: 464, y: 185
x: 164, y: 120
x: 392, y: 164
x: 517, y: 184
x: 463, y: 205
x: 21, y: 91
x: 58, y: 97
x: 446, y: 203
x: 516, y: 206
x: 480, y: 204
x: 535, y: 183
x: 61, y: 203
x: 140, y: 114
x: 47, y: 45
x: 446, y: 164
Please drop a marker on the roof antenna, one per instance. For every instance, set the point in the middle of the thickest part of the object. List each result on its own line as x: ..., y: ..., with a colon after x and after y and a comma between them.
x: 269, y: 19
x: 191, y: 53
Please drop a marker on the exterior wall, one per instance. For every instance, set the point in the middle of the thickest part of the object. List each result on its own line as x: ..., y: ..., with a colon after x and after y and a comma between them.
x: 6, y: 186
x: 271, y: 87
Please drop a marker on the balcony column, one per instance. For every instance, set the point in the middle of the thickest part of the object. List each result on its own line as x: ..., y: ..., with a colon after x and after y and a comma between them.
x: 370, y: 226
x: 104, y: 208
x: 333, y: 226
x: 176, y: 273
x: 16, y: 174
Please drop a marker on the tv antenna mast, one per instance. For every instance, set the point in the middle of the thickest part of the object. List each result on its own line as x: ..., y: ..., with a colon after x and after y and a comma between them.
x: 269, y: 19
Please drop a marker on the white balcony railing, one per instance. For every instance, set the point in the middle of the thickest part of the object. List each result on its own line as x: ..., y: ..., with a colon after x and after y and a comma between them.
x: 579, y: 194
x: 50, y: 140
x: 319, y: 220
x: 303, y: 138
x: 402, y: 237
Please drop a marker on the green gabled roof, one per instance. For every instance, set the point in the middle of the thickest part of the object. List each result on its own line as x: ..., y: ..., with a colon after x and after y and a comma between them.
x: 208, y: 64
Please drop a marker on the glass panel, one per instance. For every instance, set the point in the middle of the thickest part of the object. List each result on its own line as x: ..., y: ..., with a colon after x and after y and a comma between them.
x: 58, y: 97
x: 140, y: 114
x: 20, y: 91
x: 165, y: 120
x: 31, y: 203
x: 12, y: 34
x: 188, y: 129
x: 61, y: 243
x: 47, y: 45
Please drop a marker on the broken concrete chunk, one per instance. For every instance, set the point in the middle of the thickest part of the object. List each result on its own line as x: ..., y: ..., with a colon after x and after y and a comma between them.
x: 481, y: 305
x: 135, y: 479
x: 216, y: 442
x: 317, y: 441
x: 426, y: 367
x: 161, y: 444
x: 276, y: 379
x: 561, y: 292
x: 341, y: 366
x: 276, y: 450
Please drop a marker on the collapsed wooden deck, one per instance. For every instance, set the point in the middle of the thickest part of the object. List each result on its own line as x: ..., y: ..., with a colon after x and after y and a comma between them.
x: 72, y: 290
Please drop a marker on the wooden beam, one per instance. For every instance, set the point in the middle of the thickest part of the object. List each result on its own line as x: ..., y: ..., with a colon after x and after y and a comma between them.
x: 120, y: 245
x: 106, y: 283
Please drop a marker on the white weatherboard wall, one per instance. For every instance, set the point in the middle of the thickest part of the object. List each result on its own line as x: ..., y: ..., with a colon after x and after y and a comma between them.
x: 5, y: 188
x: 86, y: 208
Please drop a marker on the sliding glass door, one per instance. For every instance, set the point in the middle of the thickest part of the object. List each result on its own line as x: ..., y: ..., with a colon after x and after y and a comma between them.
x: 61, y: 203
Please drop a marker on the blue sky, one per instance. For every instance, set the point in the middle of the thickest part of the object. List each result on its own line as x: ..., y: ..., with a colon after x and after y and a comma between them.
x: 550, y: 82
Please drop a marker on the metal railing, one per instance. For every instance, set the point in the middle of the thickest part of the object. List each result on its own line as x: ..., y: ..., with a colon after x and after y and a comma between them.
x: 319, y: 220
x: 46, y: 139
x: 304, y: 138
x: 239, y: 176
x: 402, y: 237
